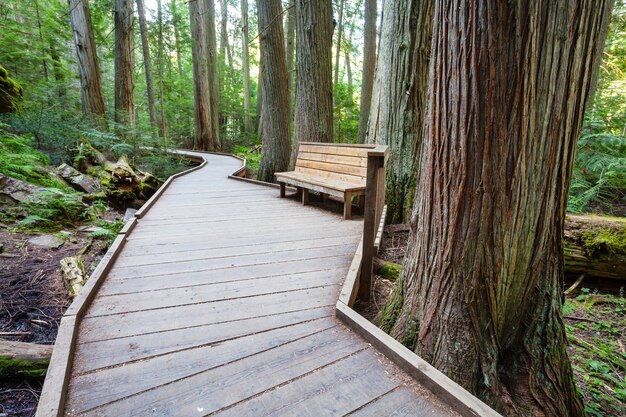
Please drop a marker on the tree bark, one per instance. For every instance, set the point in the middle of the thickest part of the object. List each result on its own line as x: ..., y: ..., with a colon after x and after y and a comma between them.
x: 399, y: 97
x: 225, y: 51
x: 314, y: 101
x: 124, y: 63
x: 211, y: 42
x: 369, y: 62
x: 145, y: 47
x: 275, y: 151
x: 484, y: 269
x: 204, y: 138
x: 247, y: 101
x: 339, y: 36
x: 87, y: 59
x: 44, y: 60
x: 160, y: 70
x: 290, y: 44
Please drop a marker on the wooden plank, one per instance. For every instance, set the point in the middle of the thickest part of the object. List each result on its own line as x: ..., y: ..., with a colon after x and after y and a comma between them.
x: 210, y: 391
x: 209, y: 263
x: 140, y: 258
x: 108, y: 353
x: 336, y: 390
x: 332, y: 167
x: 108, y: 385
x: 355, y: 161
x: 54, y: 393
x: 335, y: 150
x: 349, y: 289
x: 153, y: 321
x: 353, y: 179
x: 172, y: 297
x: 402, y: 402
x: 129, y: 285
x: 443, y: 387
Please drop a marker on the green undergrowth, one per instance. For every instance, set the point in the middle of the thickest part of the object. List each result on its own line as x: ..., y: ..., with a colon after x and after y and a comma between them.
x: 51, y: 210
x: 19, y: 160
x: 595, y: 326
x: 249, y: 153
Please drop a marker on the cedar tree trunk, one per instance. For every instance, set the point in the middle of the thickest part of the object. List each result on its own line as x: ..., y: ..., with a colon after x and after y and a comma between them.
x: 369, y: 62
x: 124, y: 63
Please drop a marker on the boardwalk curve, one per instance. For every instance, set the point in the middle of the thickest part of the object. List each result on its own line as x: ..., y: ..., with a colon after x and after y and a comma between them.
x: 221, y: 301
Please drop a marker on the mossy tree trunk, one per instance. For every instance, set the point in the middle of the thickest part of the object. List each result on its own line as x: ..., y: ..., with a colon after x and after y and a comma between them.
x: 399, y: 99
x: 275, y: 151
x: 483, y: 274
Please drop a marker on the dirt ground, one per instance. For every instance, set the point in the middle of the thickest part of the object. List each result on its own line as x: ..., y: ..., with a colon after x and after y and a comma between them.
x: 33, y: 299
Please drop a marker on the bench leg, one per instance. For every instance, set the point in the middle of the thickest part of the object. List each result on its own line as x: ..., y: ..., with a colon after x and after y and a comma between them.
x: 305, y: 196
x: 362, y: 204
x: 324, y: 197
x: 282, y: 189
x: 347, y: 205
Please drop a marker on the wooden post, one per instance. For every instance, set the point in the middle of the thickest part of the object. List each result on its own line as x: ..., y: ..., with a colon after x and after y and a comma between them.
x: 374, y: 202
x: 282, y: 189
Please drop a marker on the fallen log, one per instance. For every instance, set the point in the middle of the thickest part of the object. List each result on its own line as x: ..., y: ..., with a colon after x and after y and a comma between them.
x: 595, y: 246
x: 24, y: 360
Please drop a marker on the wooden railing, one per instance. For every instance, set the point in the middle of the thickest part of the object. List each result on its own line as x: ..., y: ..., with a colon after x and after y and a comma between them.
x: 373, y: 216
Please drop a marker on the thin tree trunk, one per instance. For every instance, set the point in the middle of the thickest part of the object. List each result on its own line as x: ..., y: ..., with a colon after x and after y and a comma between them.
x: 175, y: 23
x: 275, y: 151
x: 399, y: 97
x: 339, y: 36
x: 369, y: 62
x: 290, y: 39
x: 160, y: 70
x: 87, y: 59
x: 143, y: 29
x: 57, y: 70
x: 224, y: 45
x: 247, y: 102
x: 211, y: 42
x: 259, y: 98
x: 314, y: 101
x: 44, y: 61
x: 203, y: 139
x: 347, y: 48
x: 124, y: 63
x: 483, y: 278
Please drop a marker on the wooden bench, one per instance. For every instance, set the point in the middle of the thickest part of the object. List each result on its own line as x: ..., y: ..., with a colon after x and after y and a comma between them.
x: 332, y: 169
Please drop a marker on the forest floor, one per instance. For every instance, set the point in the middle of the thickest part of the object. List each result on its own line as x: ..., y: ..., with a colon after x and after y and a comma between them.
x: 595, y: 322
x: 33, y: 297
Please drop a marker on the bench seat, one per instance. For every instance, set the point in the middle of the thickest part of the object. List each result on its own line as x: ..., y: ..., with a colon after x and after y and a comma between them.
x: 337, y: 170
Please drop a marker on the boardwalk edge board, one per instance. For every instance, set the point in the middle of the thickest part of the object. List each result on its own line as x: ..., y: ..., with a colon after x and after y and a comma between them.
x: 455, y: 396
x: 54, y: 391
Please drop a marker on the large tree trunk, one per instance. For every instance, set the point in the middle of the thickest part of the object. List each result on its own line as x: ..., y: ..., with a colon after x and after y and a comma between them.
x: 369, y: 62
x: 160, y: 70
x: 211, y: 42
x: 290, y: 43
x: 124, y: 63
x: 88, y: 70
x: 275, y: 151
x: 339, y: 36
x: 484, y: 269
x: 247, y: 102
x: 399, y: 98
x: 314, y: 101
x: 204, y: 138
x: 145, y: 47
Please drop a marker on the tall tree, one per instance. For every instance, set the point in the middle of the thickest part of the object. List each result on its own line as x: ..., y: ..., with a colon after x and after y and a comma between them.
x: 290, y: 43
x: 484, y: 270
x: 124, y: 63
x: 211, y: 42
x: 314, y: 101
x: 175, y: 23
x: 275, y: 150
x: 247, y: 102
x: 369, y: 63
x: 225, y: 50
x: 399, y: 97
x: 145, y: 47
x: 339, y: 36
x: 204, y: 138
x: 88, y: 69
x: 160, y: 70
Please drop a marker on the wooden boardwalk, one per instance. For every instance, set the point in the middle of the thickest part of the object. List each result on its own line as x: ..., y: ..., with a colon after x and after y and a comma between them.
x: 222, y: 301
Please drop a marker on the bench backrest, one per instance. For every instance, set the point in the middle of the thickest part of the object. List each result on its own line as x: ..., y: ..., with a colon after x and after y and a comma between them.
x: 341, y: 162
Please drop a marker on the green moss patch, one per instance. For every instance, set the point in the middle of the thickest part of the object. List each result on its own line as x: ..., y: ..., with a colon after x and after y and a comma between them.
x: 605, y: 241
x: 11, y: 93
